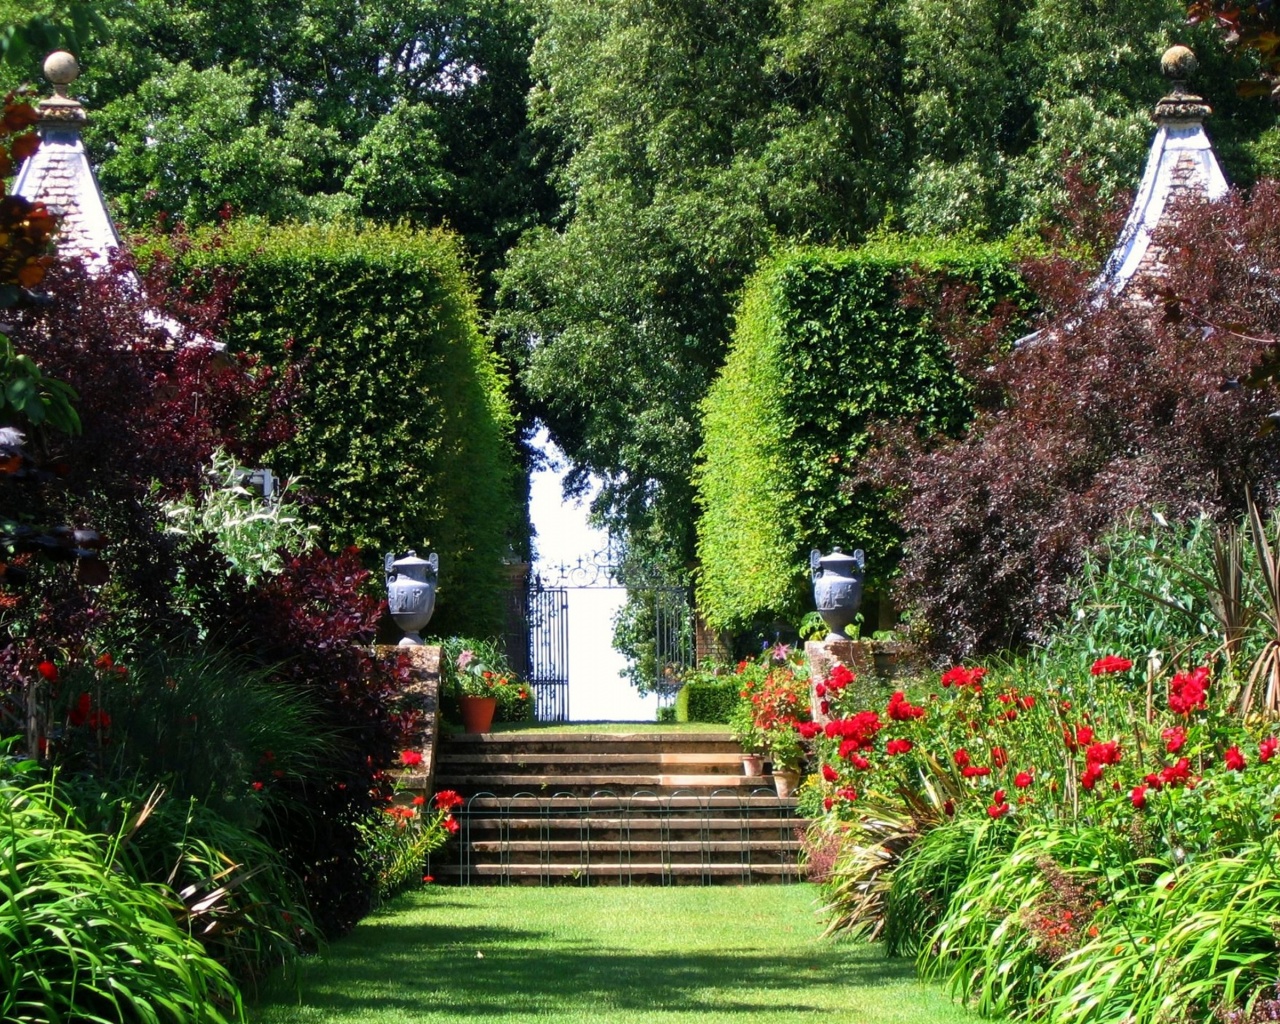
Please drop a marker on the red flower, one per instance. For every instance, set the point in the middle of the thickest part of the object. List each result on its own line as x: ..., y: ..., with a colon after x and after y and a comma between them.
x: 847, y: 794
x: 827, y: 803
x: 820, y: 689
x: 809, y: 729
x: 829, y: 773
x: 840, y: 677
x: 1103, y: 753
x: 1180, y: 772
x: 1139, y: 797
x: 902, y: 710
x: 998, y: 796
x: 105, y: 662
x: 998, y: 810
x: 451, y: 824
x: 949, y: 808
x: 960, y: 676
x: 1267, y: 748
x: 859, y: 762
x: 1022, y: 780
x: 48, y: 670
x: 1092, y: 773
x: 973, y: 771
x: 1233, y: 759
x: 1174, y: 738
x: 1084, y: 735
x: 961, y: 757
x: 410, y: 757
x: 1109, y: 664
x: 257, y: 787
x: 446, y: 799
x: 428, y: 879
x: 897, y: 747
x: 80, y: 713
x: 1189, y: 690
x: 998, y: 757
x: 419, y: 800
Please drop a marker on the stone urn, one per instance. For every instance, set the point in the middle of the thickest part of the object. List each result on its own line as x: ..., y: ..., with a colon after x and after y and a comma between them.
x: 411, y: 593
x: 837, y: 589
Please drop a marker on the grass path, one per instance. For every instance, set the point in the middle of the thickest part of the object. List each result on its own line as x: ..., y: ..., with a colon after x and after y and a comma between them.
x: 717, y: 955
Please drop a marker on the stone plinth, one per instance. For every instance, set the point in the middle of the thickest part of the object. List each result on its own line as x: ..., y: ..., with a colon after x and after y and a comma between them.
x: 422, y: 694
x: 868, y: 659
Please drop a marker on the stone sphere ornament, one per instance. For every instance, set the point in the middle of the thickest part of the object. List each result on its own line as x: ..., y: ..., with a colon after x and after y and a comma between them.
x: 837, y: 589
x: 411, y: 593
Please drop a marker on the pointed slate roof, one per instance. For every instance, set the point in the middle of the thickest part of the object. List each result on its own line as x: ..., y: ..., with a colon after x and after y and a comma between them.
x: 60, y: 176
x: 1181, y: 162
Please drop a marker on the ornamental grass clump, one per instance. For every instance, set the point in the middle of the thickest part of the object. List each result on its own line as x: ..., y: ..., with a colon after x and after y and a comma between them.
x: 79, y: 939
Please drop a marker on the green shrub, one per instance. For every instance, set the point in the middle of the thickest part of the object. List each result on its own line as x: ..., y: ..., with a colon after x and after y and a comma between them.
x: 707, y: 700
x: 403, y: 424
x: 826, y: 342
x: 81, y: 940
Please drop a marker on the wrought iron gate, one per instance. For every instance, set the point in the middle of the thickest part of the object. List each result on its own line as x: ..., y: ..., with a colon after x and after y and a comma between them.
x: 544, y: 643
x: 547, y: 621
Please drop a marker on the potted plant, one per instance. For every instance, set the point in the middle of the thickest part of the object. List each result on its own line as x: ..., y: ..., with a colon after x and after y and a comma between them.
x: 742, y: 723
x: 775, y: 692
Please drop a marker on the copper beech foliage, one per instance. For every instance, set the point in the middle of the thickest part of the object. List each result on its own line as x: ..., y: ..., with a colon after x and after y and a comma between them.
x: 1253, y: 28
x: 1147, y: 401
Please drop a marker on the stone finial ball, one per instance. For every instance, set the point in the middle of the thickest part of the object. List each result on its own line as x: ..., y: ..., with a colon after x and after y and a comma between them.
x: 61, y: 68
x: 1178, y: 63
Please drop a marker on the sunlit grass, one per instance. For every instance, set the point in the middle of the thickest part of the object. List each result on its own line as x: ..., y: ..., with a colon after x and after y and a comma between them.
x: 607, y: 956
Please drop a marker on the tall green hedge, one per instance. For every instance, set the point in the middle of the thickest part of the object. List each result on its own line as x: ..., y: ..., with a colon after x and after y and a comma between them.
x: 826, y: 341
x: 404, y: 428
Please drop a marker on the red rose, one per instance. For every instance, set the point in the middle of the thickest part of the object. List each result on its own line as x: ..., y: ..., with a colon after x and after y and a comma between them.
x: 829, y: 773
x: 897, y: 747
x: 1267, y: 748
x: 1139, y: 797
x: 1109, y: 664
x: 48, y: 670
x: 1174, y: 739
x: 1234, y: 759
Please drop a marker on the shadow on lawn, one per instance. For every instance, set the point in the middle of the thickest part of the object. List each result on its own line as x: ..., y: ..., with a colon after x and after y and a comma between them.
x: 426, y: 967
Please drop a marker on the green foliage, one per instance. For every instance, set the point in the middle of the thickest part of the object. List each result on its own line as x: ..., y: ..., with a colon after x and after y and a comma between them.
x: 825, y: 343
x: 80, y: 940
x: 403, y: 425
x: 397, y: 842
x: 30, y: 394
x: 247, y: 529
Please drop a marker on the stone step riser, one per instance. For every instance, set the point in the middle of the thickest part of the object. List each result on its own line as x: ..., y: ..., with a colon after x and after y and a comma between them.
x: 614, y: 874
x: 652, y: 809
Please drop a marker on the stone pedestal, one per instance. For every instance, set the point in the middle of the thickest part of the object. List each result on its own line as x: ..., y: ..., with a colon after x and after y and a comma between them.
x: 422, y: 693
x: 867, y: 659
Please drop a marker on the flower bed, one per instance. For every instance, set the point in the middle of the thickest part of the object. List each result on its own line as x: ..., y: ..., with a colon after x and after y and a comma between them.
x: 1098, y: 848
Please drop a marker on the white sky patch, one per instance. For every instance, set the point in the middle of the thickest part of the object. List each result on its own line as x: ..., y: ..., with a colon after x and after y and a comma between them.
x: 596, y: 691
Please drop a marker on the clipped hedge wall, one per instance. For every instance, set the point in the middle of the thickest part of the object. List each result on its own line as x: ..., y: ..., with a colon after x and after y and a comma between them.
x: 404, y: 428
x: 825, y: 343
x: 712, y: 700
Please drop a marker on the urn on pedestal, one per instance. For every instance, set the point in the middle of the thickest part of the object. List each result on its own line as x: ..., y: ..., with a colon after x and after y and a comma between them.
x: 837, y: 589
x: 411, y: 593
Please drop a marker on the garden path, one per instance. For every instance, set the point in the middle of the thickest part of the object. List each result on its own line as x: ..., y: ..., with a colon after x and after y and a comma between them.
x: 716, y: 955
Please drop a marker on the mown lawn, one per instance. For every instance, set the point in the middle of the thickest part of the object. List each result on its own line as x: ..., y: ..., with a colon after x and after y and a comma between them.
x: 718, y: 955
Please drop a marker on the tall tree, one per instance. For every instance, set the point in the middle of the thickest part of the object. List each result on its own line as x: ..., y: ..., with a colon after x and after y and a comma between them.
x: 696, y: 135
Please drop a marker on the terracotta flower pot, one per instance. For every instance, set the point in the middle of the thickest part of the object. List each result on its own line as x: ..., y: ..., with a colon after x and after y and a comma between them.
x: 785, y: 781
x: 752, y: 764
x: 477, y: 712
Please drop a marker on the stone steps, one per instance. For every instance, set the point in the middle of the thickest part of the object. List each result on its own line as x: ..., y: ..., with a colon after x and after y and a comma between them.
x: 600, y: 808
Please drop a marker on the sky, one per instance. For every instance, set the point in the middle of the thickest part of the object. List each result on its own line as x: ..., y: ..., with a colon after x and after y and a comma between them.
x: 596, y: 691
